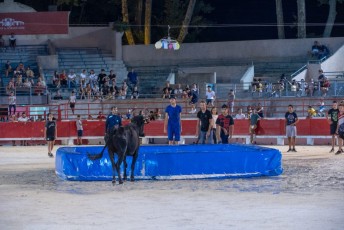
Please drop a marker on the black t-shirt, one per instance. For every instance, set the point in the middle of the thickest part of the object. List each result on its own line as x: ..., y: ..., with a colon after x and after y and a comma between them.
x: 204, y: 119
x: 51, y: 126
x: 333, y: 114
x: 101, y: 77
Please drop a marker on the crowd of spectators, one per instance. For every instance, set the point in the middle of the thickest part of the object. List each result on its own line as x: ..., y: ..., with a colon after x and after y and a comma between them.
x: 92, y: 86
x: 23, y: 78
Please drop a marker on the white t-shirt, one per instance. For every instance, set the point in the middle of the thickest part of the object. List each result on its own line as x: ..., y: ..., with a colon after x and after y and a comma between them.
x: 72, y: 99
x: 210, y: 95
x: 12, y: 100
x: 72, y: 76
x: 23, y: 119
x: 240, y: 116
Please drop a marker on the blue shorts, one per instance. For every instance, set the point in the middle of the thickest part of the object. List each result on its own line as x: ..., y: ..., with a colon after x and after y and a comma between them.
x: 80, y: 133
x: 173, y: 131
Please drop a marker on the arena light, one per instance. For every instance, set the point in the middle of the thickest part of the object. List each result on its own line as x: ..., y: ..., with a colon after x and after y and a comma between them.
x: 167, y: 43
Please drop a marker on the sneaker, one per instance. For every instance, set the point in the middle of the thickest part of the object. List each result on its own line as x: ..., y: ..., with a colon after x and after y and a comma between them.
x: 339, y: 151
x: 332, y: 150
x: 294, y: 150
x: 289, y: 150
x: 50, y: 155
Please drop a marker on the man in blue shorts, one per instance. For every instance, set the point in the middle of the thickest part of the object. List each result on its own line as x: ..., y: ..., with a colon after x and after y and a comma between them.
x: 173, y: 123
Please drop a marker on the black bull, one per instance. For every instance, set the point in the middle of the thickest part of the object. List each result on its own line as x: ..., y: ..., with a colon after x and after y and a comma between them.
x: 123, y: 141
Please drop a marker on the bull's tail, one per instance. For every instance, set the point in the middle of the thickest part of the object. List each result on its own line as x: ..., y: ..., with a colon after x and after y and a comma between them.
x: 96, y: 156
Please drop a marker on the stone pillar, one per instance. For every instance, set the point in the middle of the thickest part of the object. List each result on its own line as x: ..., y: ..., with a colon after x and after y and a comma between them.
x: 118, y: 46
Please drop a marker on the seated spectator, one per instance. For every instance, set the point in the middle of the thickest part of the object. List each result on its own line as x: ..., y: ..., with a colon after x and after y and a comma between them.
x: 167, y: 91
x: 19, y: 81
x: 58, y: 96
x: 101, y: 116
x: 63, y: 79
x: 112, y: 76
x: 240, y: 115
x: 310, y: 88
x: 105, y: 88
x: 311, y: 112
x: 29, y: 73
x: 157, y: 114
x: 8, y: 68
x: 325, y: 87
x: 259, y: 86
x: 89, y: 91
x: 193, y: 109
x: 315, y: 49
x: 12, y: 41
x: 135, y: 94
x: 82, y: 92
x: 132, y: 78
x: 193, y: 96
x: 92, y: 78
x: 10, y: 86
x: 72, y: 79
x: 83, y: 78
x: 39, y: 87
x: 254, y: 86
x: 56, y: 80
x: 178, y: 91
x: 101, y: 78
x: 26, y: 83
x: 89, y: 117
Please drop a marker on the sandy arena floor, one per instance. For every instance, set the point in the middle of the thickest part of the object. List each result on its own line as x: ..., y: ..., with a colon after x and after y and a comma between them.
x: 308, y: 195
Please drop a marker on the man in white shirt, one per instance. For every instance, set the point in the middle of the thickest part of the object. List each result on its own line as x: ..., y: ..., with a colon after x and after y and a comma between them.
x: 210, y: 94
x: 71, y: 79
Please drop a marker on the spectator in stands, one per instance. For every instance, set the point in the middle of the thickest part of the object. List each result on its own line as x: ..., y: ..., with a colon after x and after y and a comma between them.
x: 322, y: 108
x: 8, y: 68
x: 101, y: 78
x: 105, y: 89
x: 224, y: 126
x: 167, y: 91
x: 253, y: 124
x: 50, y: 133
x: 239, y: 116
x: 12, y: 103
x: 101, y: 116
x: 83, y: 78
x: 132, y: 79
x: 294, y: 88
x: 26, y: 83
x: 19, y: 81
x: 56, y: 80
x: 88, y: 91
x: 204, y: 124
x: 178, y: 91
x: 315, y: 49
x: 2, y: 42
x: 249, y: 111
x: 311, y: 112
x: 193, y: 94
x: 291, y: 121
x: 254, y: 87
x: 63, y: 79
x: 112, y: 76
x: 321, y: 79
x: 193, y: 109
x: 325, y: 87
x: 79, y: 129
x: 40, y: 86
x: 82, y: 92
x: 29, y: 73
x: 23, y: 118
x: 12, y: 41
x: 173, y: 123
x: 124, y: 89
x: 58, y: 95
x: 72, y: 101
x: 260, y: 87
x: 11, y: 86
x: 210, y: 96
x: 92, y: 79
x: 332, y: 118
x: 231, y: 99
x: 72, y: 81
x: 310, y: 88
x: 135, y: 94
x: 89, y: 117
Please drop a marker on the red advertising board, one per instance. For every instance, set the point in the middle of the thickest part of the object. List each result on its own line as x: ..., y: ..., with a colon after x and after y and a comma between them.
x: 34, y: 23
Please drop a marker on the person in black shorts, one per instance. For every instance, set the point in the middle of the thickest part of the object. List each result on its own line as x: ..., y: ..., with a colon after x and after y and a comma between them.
x: 50, y: 133
x: 332, y: 118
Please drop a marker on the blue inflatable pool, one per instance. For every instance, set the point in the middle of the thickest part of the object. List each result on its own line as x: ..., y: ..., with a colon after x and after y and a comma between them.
x: 173, y: 162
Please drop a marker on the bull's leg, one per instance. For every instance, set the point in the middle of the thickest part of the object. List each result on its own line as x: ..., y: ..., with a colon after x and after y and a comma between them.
x: 114, y: 168
x: 136, y: 154
x: 118, y: 167
x: 125, y: 168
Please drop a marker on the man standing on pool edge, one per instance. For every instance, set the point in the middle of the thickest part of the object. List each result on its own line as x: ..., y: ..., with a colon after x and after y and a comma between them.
x: 173, y: 123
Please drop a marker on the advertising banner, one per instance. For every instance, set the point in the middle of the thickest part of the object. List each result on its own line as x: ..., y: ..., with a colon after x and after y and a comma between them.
x: 34, y: 23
